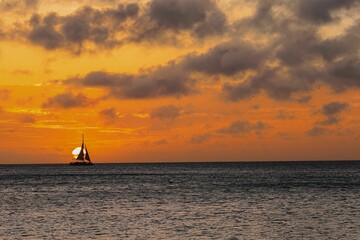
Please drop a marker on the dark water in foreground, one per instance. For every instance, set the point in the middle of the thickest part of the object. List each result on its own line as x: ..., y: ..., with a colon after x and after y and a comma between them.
x: 181, y: 201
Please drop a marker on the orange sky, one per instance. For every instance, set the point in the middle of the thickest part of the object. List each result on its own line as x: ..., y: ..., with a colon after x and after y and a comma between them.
x: 179, y: 80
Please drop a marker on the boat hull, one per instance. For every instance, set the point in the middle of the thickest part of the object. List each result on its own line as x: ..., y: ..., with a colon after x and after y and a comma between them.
x: 81, y: 163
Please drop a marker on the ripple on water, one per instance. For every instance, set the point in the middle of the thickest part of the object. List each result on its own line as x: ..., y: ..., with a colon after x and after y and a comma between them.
x: 180, y: 201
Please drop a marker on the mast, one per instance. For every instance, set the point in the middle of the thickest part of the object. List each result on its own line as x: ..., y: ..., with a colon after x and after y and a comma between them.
x: 81, y: 154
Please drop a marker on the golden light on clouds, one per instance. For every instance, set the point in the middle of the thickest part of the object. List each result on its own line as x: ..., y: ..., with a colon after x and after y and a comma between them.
x: 153, y: 81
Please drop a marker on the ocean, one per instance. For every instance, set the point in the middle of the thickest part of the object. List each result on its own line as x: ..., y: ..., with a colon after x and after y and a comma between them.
x: 292, y: 200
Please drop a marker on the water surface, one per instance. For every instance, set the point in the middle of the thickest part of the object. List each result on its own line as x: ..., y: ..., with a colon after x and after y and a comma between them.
x: 317, y: 200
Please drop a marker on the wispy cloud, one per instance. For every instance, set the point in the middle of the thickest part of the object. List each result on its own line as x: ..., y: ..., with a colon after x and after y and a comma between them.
x: 242, y: 127
x: 4, y: 94
x: 198, y: 139
x: 68, y: 100
x: 166, y: 112
x: 332, y: 112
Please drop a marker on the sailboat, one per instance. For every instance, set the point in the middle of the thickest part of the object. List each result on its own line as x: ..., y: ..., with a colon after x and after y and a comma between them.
x: 83, y: 157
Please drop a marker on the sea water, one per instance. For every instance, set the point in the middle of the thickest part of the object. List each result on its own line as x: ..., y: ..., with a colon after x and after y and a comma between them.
x: 304, y: 200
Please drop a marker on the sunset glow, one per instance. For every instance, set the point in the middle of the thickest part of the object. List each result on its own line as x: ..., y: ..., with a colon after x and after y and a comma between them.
x: 76, y: 152
x: 179, y: 80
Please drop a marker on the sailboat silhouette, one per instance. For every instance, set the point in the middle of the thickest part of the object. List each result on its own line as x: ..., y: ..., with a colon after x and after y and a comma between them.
x: 83, y: 158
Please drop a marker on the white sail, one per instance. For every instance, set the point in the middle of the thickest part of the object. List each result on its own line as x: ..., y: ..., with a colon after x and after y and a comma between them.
x: 81, y: 154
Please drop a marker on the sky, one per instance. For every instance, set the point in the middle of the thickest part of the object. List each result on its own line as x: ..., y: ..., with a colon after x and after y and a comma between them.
x: 179, y: 80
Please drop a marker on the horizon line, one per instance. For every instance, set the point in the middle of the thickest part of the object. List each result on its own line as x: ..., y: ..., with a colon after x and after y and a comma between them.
x: 179, y: 162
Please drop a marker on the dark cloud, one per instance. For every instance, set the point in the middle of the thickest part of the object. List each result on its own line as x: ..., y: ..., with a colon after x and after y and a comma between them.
x: 285, y: 58
x: 75, y: 29
x: 321, y: 11
x: 87, y: 24
x: 330, y: 120
x: 198, y: 139
x: 47, y: 37
x: 68, y: 100
x: 332, y: 113
x: 215, y: 24
x: 280, y: 84
x: 334, y: 108
x: 178, y: 14
x: 227, y: 58
x: 166, y: 112
x: 263, y: 18
x: 345, y: 73
x: 110, y: 27
x: 299, y: 48
x: 298, y: 45
x: 243, y: 127
x: 44, y: 33
x: 303, y: 99
x: 170, y: 80
x: 317, y: 131
x: 201, y: 17
x: 236, y: 92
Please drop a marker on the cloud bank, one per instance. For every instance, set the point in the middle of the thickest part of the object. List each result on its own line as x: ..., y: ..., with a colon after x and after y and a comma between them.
x: 281, y: 49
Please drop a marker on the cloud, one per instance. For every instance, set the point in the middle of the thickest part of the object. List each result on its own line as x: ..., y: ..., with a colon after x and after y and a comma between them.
x: 243, y: 127
x: 160, y: 142
x: 286, y: 136
x: 178, y: 14
x: 68, y: 100
x: 284, y: 63
x: 4, y: 94
x: 285, y: 115
x: 303, y: 99
x: 21, y: 72
x: 26, y: 118
x: 262, y: 18
x: 279, y: 50
x: 317, y: 131
x: 332, y: 111
x: 200, y: 17
x: 87, y: 24
x: 298, y: 48
x: 110, y: 114
x: 345, y: 73
x: 166, y: 112
x: 226, y: 58
x: 321, y: 11
x: 169, y: 80
x: 43, y: 31
x: 334, y: 108
x: 275, y: 85
x: 18, y: 6
x: 126, y: 23
x: 198, y: 139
